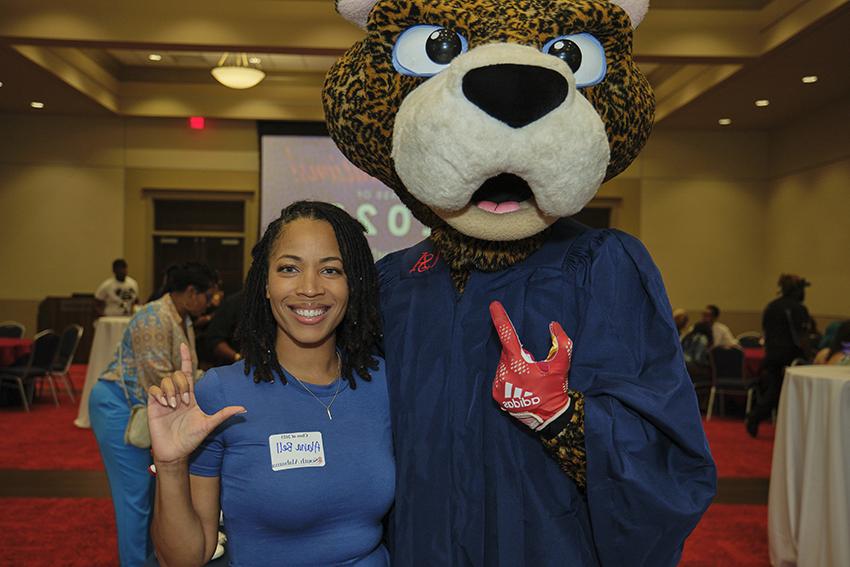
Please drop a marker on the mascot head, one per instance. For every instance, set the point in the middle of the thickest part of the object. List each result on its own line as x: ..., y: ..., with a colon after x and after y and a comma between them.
x: 491, y: 119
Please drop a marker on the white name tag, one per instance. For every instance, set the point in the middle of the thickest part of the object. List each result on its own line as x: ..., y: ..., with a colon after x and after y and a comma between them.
x: 297, y: 450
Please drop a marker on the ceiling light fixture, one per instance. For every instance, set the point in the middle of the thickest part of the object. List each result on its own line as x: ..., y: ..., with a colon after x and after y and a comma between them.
x: 762, y: 102
x: 725, y: 121
x: 238, y: 74
x: 809, y: 79
x: 254, y: 60
x: 1, y: 83
x: 154, y: 57
x: 37, y: 104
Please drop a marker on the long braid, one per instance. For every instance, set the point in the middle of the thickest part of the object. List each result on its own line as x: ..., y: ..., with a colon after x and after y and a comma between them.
x: 257, y: 328
x: 359, y: 334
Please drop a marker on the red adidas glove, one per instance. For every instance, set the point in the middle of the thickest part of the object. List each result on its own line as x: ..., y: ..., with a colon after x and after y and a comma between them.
x: 533, y: 392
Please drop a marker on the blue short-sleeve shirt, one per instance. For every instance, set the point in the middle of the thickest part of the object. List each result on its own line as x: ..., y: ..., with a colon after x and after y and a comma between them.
x: 321, y: 515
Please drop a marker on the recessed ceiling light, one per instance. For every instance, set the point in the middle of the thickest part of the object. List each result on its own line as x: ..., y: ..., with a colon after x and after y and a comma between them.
x: 1, y: 83
x: 154, y: 57
x: 762, y: 102
x: 725, y: 121
x: 254, y: 60
x: 37, y: 104
x: 809, y: 79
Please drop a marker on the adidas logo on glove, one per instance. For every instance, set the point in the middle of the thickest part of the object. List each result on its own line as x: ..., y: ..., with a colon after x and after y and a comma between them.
x: 516, y: 398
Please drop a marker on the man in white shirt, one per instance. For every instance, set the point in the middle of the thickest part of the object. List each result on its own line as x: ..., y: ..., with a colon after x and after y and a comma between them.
x: 118, y: 294
x: 721, y: 334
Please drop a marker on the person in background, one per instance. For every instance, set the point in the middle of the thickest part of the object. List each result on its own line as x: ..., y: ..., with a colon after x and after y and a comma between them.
x: 149, y: 351
x: 813, y: 338
x: 219, y: 343
x: 721, y: 334
x: 680, y: 317
x: 839, y: 349
x: 695, y: 347
x: 828, y: 335
x: 118, y: 294
x: 204, y: 320
x: 785, y: 323
x: 306, y: 475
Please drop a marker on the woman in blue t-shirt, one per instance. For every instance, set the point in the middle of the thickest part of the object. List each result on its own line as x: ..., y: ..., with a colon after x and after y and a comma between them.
x: 292, y: 443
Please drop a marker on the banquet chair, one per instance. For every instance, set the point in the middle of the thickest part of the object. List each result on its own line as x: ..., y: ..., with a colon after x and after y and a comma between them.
x: 41, y: 357
x: 12, y: 330
x: 728, y: 377
x: 61, y: 367
x: 749, y: 339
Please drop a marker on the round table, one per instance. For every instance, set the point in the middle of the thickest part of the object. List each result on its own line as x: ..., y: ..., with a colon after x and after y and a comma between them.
x: 753, y: 359
x: 808, y: 510
x: 107, y: 334
x: 12, y: 349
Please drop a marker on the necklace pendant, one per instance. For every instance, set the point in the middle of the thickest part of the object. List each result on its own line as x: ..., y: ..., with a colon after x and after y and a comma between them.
x: 330, y: 417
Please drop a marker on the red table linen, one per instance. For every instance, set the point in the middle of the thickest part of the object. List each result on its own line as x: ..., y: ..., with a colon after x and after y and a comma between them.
x: 12, y: 349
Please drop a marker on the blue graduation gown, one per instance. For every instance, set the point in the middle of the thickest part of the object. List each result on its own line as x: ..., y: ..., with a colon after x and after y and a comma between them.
x: 476, y: 487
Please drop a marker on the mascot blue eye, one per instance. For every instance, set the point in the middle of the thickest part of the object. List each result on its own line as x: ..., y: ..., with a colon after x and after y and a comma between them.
x: 583, y: 54
x: 423, y: 51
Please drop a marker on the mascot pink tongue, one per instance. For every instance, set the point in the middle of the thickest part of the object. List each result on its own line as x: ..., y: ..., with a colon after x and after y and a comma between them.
x: 498, y: 208
x: 494, y: 122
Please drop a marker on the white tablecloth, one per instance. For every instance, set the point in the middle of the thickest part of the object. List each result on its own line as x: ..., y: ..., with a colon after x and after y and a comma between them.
x: 809, y: 502
x: 107, y: 335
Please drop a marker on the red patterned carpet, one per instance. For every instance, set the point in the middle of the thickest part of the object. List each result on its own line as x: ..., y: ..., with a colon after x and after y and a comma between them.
x: 49, y: 532
x: 729, y: 535
x: 735, y: 452
x: 46, y: 438
x: 81, y: 531
x: 733, y: 535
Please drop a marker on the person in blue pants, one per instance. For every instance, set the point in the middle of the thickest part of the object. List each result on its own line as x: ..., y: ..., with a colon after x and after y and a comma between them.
x: 130, y: 485
x: 149, y: 351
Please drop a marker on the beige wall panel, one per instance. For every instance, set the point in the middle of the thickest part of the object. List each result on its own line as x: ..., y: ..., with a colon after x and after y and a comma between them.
x: 682, y: 154
x: 165, y: 143
x: 706, y: 238
x: 24, y: 311
x: 61, y: 227
x: 808, y: 231
x: 702, y: 201
x: 72, y: 140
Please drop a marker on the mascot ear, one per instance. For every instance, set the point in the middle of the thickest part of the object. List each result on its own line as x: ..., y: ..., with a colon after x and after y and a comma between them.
x: 636, y: 9
x: 355, y: 11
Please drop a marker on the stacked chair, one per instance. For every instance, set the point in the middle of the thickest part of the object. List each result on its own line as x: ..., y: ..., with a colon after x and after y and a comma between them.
x: 51, y: 357
x: 68, y: 343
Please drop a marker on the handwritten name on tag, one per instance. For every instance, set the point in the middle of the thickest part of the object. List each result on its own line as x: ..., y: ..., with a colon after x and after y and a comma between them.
x: 297, y: 450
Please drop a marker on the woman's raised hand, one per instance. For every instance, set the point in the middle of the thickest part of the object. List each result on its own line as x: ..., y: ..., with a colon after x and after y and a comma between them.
x: 176, y: 422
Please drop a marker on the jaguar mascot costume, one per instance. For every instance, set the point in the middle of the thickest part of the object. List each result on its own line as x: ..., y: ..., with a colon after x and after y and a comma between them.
x: 494, y: 121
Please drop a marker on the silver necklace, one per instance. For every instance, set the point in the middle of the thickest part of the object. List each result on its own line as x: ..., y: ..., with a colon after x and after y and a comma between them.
x: 338, y: 384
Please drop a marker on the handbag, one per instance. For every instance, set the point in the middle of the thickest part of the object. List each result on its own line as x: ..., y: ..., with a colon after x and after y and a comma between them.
x: 137, y: 432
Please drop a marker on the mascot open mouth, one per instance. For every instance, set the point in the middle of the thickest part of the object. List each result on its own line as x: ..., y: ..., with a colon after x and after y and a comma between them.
x: 502, y: 194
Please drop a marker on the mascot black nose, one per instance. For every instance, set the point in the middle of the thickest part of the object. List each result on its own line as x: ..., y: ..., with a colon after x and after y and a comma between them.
x: 515, y: 94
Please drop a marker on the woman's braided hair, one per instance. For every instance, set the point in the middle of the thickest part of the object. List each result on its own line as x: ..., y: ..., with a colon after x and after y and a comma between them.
x: 358, y: 336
